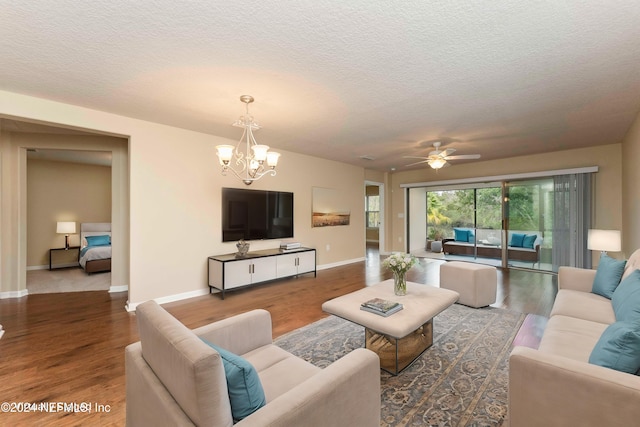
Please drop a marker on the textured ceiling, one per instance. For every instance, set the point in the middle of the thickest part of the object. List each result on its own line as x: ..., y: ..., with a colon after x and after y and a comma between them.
x: 341, y: 80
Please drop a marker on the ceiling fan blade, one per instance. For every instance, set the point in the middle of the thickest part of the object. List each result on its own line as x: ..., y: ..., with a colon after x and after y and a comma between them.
x: 448, y: 151
x: 417, y: 163
x: 415, y: 157
x: 463, y: 156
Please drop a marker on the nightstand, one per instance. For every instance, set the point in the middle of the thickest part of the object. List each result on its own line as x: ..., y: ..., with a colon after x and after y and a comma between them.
x: 71, y: 248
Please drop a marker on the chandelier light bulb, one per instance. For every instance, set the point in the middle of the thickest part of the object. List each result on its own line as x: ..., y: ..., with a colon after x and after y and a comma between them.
x: 272, y: 159
x: 260, y: 152
x: 225, y: 153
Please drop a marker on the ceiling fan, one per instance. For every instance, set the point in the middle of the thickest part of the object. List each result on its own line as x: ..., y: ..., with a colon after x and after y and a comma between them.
x: 439, y: 158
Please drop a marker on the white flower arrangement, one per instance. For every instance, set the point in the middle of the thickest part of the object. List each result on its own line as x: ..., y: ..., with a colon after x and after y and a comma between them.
x: 400, y: 262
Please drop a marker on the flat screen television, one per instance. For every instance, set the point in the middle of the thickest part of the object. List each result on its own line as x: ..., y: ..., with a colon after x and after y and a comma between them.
x: 256, y: 214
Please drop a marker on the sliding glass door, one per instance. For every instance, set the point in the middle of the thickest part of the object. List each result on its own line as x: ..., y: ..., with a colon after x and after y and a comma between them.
x: 529, y: 223
x: 536, y: 224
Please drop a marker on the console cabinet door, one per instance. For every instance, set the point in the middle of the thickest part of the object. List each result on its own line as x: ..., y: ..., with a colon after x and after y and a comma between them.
x: 287, y: 265
x: 237, y: 273
x: 306, y: 262
x: 263, y: 269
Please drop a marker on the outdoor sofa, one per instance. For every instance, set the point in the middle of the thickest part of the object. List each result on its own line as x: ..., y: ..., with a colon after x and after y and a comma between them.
x: 519, y: 249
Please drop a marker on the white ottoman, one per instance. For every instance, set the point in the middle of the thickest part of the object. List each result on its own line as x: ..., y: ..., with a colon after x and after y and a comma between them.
x: 477, y: 284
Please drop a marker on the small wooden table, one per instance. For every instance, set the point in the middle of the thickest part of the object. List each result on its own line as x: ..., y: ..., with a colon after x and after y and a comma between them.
x: 52, y: 250
x: 402, y: 337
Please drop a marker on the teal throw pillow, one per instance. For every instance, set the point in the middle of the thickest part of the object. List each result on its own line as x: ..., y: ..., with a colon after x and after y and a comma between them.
x: 98, y: 240
x: 529, y: 240
x: 618, y: 348
x: 245, y: 389
x: 471, y: 238
x: 626, y: 298
x: 461, y: 235
x: 608, y: 276
x: 517, y: 240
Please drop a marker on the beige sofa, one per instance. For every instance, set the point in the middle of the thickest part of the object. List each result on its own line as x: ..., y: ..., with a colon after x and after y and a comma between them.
x: 555, y: 385
x: 174, y: 379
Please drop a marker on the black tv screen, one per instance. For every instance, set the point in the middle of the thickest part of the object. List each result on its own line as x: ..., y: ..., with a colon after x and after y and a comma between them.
x: 256, y: 214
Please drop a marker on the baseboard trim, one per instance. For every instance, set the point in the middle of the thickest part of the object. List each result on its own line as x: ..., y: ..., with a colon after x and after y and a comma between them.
x: 123, y: 288
x: 339, y: 263
x: 14, y: 294
x: 131, y: 306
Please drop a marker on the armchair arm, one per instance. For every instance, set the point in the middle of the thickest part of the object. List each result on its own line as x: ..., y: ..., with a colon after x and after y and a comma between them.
x: 577, y: 279
x: 344, y: 394
x: 546, y: 389
x: 241, y: 333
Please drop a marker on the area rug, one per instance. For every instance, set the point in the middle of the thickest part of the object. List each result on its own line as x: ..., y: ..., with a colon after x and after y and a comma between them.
x: 66, y: 280
x: 461, y: 380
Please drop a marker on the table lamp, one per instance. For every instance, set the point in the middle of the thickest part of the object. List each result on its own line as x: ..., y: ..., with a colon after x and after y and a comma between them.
x: 66, y: 228
x: 604, y: 240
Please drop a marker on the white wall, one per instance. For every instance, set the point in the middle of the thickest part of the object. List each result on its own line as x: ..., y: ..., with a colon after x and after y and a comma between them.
x: 173, y: 193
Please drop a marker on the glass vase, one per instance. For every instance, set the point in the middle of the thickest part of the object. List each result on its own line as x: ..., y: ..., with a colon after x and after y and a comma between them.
x: 399, y: 283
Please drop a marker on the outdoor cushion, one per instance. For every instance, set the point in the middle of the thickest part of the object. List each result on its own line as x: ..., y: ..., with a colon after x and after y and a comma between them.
x: 517, y: 240
x: 529, y: 241
x: 461, y: 235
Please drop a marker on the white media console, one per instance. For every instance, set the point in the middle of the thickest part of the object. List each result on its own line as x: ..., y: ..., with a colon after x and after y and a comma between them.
x: 230, y: 271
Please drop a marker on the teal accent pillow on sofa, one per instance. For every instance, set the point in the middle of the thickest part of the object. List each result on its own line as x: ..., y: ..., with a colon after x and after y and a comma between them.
x: 245, y: 389
x: 626, y: 298
x: 517, y: 240
x: 608, y: 276
x: 461, y: 235
x: 471, y: 237
x: 618, y: 348
x: 529, y: 240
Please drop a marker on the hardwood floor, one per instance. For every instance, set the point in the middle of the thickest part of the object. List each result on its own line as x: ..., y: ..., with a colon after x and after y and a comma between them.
x: 69, y: 348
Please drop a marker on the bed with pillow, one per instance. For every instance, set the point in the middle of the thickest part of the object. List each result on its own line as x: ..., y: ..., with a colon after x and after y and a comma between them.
x: 95, y: 249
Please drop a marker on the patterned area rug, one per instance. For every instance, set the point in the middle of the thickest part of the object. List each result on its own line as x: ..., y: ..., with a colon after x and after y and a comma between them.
x: 461, y: 380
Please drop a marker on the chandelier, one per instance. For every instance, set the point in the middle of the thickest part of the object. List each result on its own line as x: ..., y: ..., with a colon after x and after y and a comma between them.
x: 256, y: 161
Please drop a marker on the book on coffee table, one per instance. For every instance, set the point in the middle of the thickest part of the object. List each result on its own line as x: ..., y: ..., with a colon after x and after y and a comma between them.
x: 381, y: 306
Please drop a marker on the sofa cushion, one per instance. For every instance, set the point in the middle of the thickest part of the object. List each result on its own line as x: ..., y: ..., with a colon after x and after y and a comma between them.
x: 626, y: 298
x: 461, y: 235
x: 608, y: 276
x: 243, y: 384
x: 618, y: 348
x: 529, y: 240
x: 517, y: 240
x: 279, y: 370
x: 583, y: 305
x: 570, y: 337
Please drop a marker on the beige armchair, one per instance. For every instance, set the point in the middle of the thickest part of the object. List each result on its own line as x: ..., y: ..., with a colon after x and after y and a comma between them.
x: 175, y: 379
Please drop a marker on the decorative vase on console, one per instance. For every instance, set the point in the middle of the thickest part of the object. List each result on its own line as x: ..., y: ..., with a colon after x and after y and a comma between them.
x: 399, y: 264
x: 243, y: 247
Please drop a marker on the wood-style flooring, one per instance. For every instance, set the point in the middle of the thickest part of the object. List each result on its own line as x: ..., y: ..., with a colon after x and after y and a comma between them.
x: 69, y: 348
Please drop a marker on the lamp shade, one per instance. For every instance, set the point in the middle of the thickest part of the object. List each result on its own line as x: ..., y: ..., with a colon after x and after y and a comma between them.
x: 604, y: 240
x: 66, y: 228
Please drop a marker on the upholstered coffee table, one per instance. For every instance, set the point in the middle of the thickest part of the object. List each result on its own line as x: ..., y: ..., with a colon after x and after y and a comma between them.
x: 403, y: 336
